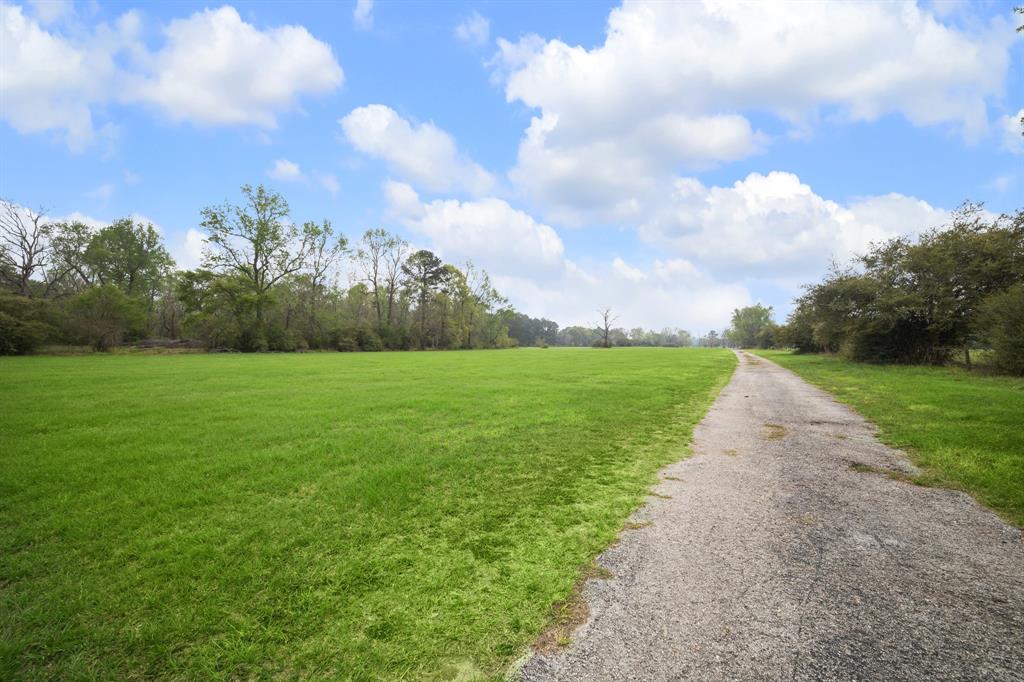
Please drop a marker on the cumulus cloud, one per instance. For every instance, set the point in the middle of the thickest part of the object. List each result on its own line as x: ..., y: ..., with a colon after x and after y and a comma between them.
x: 362, y: 15
x: 488, y: 231
x: 50, y: 83
x: 474, y: 30
x: 1012, y: 130
x: 213, y: 68
x: 188, y: 250
x: 420, y: 153
x: 672, y: 84
x: 775, y: 227
x: 216, y: 69
x: 285, y: 171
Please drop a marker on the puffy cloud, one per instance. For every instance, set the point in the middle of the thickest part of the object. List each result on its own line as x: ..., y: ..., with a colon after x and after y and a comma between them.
x: 1012, y: 130
x: 474, y: 30
x: 213, y: 69
x: 362, y: 15
x: 623, y: 270
x: 285, y: 171
x: 669, y: 88
x: 488, y: 231
x: 188, y: 252
x: 775, y: 227
x: 216, y: 69
x: 48, y: 82
x: 422, y: 154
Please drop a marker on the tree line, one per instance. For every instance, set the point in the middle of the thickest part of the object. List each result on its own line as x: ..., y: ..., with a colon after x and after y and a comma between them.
x: 951, y: 292
x: 265, y: 283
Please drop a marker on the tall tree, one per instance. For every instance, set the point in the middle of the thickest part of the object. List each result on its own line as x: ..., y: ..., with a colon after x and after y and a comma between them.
x: 257, y: 241
x: 424, y: 273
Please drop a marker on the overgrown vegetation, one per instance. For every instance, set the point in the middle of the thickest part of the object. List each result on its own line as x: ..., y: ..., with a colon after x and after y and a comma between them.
x: 954, y: 289
x: 359, y: 516
x: 963, y: 429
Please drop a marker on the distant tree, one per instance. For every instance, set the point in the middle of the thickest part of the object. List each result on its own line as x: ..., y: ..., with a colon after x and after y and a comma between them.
x: 752, y: 327
x: 604, y: 326
x: 24, y: 249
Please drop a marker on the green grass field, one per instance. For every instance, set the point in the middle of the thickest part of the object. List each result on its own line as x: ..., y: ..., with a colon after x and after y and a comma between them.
x: 966, y: 430
x: 352, y: 516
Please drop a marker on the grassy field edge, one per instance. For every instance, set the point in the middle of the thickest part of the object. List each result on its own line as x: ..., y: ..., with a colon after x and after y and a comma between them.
x: 568, y: 611
x: 960, y: 429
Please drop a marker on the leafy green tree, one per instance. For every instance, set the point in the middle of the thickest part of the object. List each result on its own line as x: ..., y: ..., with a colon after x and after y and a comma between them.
x: 25, y: 323
x: 752, y: 327
x: 257, y: 242
x: 424, y: 274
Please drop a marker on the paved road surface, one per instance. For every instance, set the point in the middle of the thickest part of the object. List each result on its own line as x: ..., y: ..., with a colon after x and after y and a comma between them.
x: 774, y: 559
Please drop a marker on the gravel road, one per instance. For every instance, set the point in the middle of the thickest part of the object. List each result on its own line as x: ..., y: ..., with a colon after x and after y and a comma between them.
x: 778, y: 556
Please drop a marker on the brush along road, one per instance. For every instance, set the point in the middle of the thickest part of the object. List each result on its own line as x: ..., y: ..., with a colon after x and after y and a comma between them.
x: 790, y: 548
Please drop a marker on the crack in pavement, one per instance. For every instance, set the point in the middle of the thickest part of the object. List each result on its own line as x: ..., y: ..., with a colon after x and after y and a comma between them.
x: 784, y: 563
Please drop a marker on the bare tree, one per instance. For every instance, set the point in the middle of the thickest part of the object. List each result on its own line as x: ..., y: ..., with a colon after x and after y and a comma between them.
x: 370, y: 256
x: 394, y: 257
x: 604, y: 325
x: 23, y: 245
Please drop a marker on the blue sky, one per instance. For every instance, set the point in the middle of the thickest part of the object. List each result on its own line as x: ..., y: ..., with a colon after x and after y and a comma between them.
x: 672, y: 161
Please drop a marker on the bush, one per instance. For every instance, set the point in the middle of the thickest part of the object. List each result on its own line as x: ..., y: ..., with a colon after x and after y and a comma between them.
x: 1003, y: 328
x: 103, y: 316
x: 25, y: 324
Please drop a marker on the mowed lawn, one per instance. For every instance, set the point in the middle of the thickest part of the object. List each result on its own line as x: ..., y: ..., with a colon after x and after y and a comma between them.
x: 347, y: 516
x: 966, y: 430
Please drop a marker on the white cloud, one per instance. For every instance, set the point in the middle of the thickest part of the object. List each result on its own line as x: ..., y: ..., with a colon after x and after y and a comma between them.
x: 216, y: 69
x: 670, y: 87
x: 474, y: 30
x: 775, y: 227
x: 1012, y: 130
x: 488, y: 231
x: 49, y: 83
x: 130, y: 178
x: 422, y: 154
x: 188, y: 253
x: 362, y: 15
x: 213, y: 69
x: 51, y: 11
x: 627, y: 272
x: 285, y: 171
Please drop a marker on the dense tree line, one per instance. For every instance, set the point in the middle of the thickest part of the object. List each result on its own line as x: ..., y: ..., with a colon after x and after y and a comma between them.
x: 265, y: 283
x: 953, y: 290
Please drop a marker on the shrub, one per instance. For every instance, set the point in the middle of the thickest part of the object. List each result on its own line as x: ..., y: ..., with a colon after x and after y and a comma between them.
x: 1003, y: 328
x: 103, y: 316
x: 25, y: 324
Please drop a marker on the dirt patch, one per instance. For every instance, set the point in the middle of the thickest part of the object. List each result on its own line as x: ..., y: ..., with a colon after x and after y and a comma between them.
x: 903, y: 477
x: 730, y: 452
x: 637, y: 525
x: 570, y: 613
x: 774, y: 432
